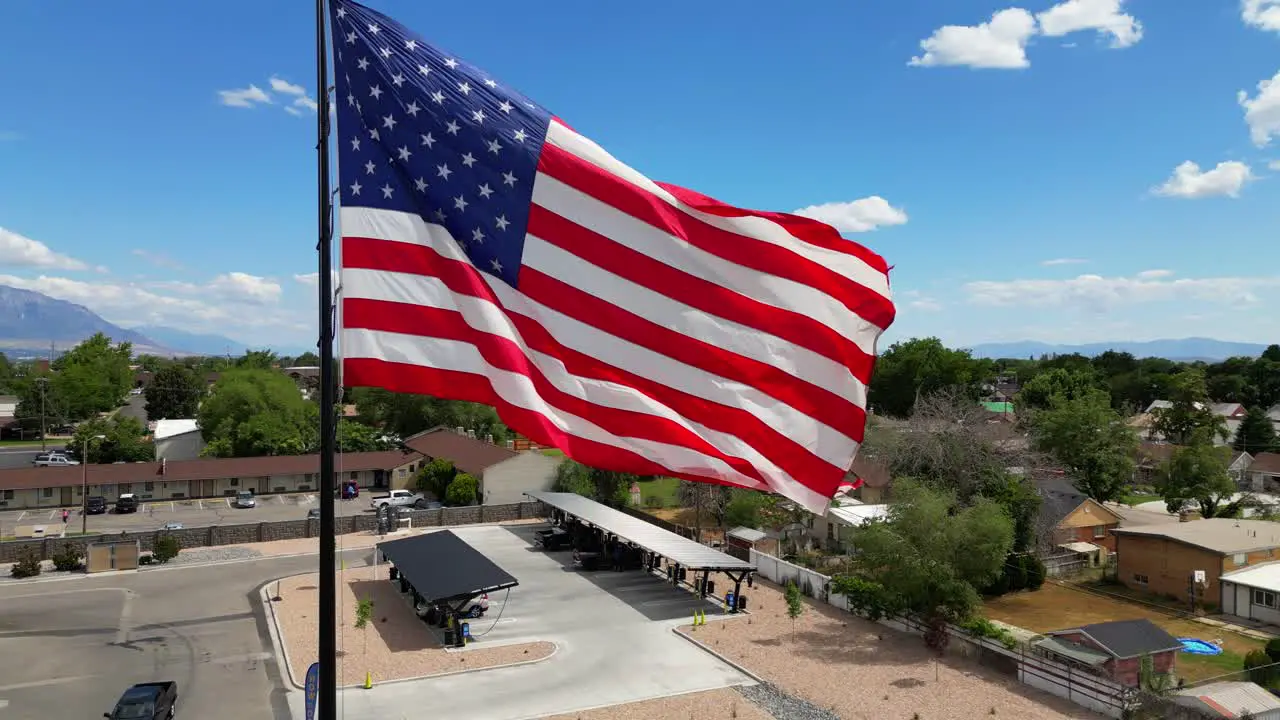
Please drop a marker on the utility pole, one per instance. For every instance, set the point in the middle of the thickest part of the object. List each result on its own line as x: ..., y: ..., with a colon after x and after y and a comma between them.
x: 42, y: 382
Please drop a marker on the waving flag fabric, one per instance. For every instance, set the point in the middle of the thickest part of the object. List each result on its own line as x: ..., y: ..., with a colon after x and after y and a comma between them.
x: 491, y: 253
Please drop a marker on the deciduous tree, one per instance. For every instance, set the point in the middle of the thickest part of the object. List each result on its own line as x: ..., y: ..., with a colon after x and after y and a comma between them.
x: 912, y: 369
x: 1190, y: 411
x: 252, y: 412
x: 355, y: 436
x: 1198, y: 473
x: 1090, y: 440
x: 174, y: 393
x: 123, y: 440
x: 1038, y: 394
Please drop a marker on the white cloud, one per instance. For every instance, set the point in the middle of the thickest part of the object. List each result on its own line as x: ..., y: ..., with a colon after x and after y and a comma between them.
x: 1189, y: 181
x: 20, y: 250
x: 244, y: 97
x: 305, y: 102
x: 1153, y: 274
x: 999, y: 43
x: 917, y: 300
x: 1096, y: 293
x: 1262, y: 112
x: 293, y: 111
x: 250, y: 288
x: 286, y: 87
x: 1273, y: 165
x: 157, y: 259
x: 312, y: 279
x: 1104, y: 16
x: 860, y: 215
x: 1063, y: 261
x: 1262, y: 14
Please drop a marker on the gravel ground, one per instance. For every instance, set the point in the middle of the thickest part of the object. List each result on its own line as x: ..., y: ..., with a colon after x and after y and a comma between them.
x: 46, y: 571
x: 724, y: 704
x: 858, y: 670
x: 396, y: 645
x: 784, y: 706
x: 221, y: 553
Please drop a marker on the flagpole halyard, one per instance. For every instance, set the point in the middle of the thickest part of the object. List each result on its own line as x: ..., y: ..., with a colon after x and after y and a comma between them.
x: 328, y: 640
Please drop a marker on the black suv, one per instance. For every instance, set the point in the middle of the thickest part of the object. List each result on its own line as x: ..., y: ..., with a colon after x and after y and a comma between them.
x: 95, y: 505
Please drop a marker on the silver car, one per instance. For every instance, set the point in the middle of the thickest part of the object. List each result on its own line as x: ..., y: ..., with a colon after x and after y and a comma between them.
x: 245, y: 499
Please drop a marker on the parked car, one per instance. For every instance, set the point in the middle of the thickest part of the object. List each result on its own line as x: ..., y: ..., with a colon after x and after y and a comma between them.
x: 245, y: 499
x: 474, y: 608
x: 313, y: 514
x: 127, y: 503
x: 172, y: 526
x: 146, y: 701
x: 552, y: 539
x: 53, y: 460
x: 95, y: 505
x: 399, y: 498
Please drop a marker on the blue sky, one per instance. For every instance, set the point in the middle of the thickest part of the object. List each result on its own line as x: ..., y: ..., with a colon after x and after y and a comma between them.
x: 1022, y: 167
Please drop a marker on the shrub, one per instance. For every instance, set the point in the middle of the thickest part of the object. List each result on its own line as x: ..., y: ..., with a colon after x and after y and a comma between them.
x: 979, y: 626
x: 653, y: 502
x: 165, y: 549
x: 1018, y: 575
x: 462, y: 491
x: 1273, y: 649
x: 68, y: 559
x: 1036, y: 573
x: 27, y: 566
x: 1255, y: 663
x: 364, y: 612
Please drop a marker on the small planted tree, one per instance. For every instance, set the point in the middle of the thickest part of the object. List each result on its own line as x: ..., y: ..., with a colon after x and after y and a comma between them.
x: 67, y: 559
x: 27, y: 566
x: 165, y: 548
x: 364, y: 613
x: 795, y: 605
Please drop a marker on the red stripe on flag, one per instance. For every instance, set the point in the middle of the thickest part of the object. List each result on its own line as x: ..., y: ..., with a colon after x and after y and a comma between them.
x: 697, y: 292
x: 740, y: 249
x: 789, y: 455
x: 809, y: 230
x: 506, y: 355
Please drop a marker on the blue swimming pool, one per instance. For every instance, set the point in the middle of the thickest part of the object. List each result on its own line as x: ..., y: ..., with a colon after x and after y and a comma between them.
x: 1199, y: 647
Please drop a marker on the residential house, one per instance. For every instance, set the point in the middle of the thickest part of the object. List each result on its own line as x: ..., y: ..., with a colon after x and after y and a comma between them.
x: 8, y: 411
x: 870, y: 479
x: 1086, y: 520
x: 1231, y: 413
x: 1230, y: 699
x: 1264, y: 473
x: 505, y: 474
x: 1153, y: 455
x: 48, y: 487
x: 834, y: 529
x: 1253, y: 593
x: 1115, y: 649
x: 1165, y: 558
x: 306, y: 377
x: 177, y: 440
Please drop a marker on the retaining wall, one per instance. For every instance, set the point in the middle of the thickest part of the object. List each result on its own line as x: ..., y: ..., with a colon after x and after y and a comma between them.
x: 215, y: 535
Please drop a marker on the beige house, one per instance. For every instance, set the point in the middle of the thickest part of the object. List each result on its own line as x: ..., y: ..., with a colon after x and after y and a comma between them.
x: 49, y: 487
x: 505, y: 474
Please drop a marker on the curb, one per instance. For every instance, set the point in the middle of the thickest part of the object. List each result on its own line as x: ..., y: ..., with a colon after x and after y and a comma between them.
x: 720, y: 657
x: 277, y: 639
x: 555, y: 648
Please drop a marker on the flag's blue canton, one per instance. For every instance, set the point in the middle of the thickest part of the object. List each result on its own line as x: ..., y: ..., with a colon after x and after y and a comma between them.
x: 420, y: 131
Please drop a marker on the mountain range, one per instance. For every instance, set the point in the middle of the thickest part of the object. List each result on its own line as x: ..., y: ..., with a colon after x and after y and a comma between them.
x: 1186, y: 349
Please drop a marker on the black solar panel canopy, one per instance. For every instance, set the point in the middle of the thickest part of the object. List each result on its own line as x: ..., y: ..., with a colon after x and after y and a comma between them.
x: 441, y: 566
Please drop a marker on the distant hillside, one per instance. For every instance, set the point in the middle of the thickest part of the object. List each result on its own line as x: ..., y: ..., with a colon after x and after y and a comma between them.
x: 194, y: 343
x: 30, y: 321
x: 1185, y: 349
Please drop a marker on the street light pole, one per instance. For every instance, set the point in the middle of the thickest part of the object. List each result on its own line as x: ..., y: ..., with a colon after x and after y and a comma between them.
x: 84, y: 484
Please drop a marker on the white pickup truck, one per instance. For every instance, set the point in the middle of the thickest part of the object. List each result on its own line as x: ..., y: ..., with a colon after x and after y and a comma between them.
x: 399, y: 498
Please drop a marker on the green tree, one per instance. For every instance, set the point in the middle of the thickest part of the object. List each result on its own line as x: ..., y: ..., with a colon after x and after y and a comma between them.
x: 930, y: 554
x: 257, y: 360
x: 1198, y: 473
x: 166, y: 548
x: 436, y: 476
x: 795, y: 605
x: 1091, y: 440
x: 462, y: 491
x: 7, y: 373
x: 151, y: 363
x: 915, y: 368
x: 1256, y: 432
x: 91, y: 378
x: 405, y: 414
x: 253, y: 412
x: 174, y: 393
x: 1190, y: 411
x: 123, y: 439
x: 306, y: 359
x: 743, y: 509
x: 605, y: 486
x: 1039, y: 393
x: 354, y: 436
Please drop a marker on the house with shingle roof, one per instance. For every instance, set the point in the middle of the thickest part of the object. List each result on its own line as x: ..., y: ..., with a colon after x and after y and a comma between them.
x: 1114, y: 649
x: 505, y: 474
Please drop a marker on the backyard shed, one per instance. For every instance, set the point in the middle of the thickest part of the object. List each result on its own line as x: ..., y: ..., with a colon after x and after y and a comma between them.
x: 1253, y: 593
x: 1231, y: 700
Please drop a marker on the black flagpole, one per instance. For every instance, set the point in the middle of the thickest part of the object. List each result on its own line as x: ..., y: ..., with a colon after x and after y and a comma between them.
x: 327, y: 698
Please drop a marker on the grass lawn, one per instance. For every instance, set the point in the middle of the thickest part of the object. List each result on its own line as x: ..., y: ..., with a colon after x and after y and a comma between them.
x: 1138, y: 498
x: 665, y: 489
x: 19, y: 443
x: 552, y: 452
x: 1054, y: 607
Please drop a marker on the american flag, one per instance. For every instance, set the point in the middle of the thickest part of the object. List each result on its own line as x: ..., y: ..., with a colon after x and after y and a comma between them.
x: 491, y: 253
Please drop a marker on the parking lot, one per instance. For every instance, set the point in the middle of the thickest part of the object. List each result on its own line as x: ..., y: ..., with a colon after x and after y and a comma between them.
x: 191, y: 513
x: 612, y: 629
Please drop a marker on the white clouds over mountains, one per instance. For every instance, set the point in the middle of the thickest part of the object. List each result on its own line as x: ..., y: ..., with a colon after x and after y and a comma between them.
x: 1001, y: 43
x: 21, y: 251
x: 1095, y: 293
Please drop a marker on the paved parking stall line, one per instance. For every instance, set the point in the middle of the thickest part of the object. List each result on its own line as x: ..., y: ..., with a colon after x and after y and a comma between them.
x: 227, y: 500
x: 172, y: 507
x: 22, y: 515
x: 200, y: 503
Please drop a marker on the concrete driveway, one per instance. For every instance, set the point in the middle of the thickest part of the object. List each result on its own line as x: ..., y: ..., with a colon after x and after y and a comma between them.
x: 613, y: 631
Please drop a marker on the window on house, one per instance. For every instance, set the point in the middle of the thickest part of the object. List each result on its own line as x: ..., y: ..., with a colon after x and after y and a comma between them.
x: 402, y: 472
x: 1264, y: 598
x: 809, y: 522
x: 355, y: 475
x: 1141, y: 579
x: 831, y: 531
x: 47, y: 492
x: 8, y: 494
x: 1240, y: 559
x: 148, y: 487
x: 1099, y: 532
x: 235, y: 482
x: 79, y: 490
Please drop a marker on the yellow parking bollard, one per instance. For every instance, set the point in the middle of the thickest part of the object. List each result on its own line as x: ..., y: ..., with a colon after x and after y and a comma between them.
x: 368, y: 680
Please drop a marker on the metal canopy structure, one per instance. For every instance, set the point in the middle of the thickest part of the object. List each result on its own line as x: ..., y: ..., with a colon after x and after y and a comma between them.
x: 679, y: 550
x: 442, y: 567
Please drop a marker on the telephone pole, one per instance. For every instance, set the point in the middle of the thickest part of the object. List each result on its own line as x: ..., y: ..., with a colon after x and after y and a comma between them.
x: 42, y: 382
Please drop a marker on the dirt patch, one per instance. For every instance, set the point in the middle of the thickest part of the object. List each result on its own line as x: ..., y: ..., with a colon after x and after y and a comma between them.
x: 1056, y: 607
x: 858, y: 669
x: 725, y: 704
x: 395, y: 645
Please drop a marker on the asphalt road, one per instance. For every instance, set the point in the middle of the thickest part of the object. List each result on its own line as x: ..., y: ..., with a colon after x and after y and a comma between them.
x: 72, y: 646
x: 191, y: 513
x: 20, y: 457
